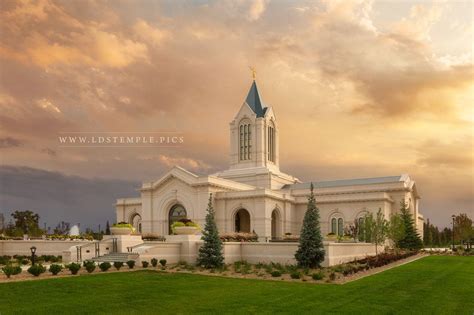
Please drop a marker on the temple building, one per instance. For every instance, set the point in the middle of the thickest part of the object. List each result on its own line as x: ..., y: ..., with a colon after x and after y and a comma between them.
x: 253, y: 195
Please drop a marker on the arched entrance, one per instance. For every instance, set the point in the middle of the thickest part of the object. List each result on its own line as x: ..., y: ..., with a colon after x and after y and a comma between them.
x: 276, y: 224
x: 242, y: 221
x: 136, y: 222
x: 177, y: 212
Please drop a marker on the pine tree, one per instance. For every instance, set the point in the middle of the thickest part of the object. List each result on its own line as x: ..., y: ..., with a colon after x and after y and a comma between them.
x: 107, y: 228
x: 411, y: 239
x: 210, y: 253
x: 310, y: 251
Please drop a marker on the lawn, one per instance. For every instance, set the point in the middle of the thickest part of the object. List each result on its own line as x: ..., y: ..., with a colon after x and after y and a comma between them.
x: 435, y: 284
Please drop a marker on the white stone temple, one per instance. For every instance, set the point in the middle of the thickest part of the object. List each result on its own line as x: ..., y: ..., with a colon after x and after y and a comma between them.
x: 253, y: 195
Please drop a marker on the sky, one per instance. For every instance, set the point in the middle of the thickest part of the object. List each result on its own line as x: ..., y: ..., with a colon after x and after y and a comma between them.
x: 359, y: 88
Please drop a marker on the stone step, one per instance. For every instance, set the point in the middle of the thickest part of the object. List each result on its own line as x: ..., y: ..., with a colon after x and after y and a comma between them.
x: 116, y: 257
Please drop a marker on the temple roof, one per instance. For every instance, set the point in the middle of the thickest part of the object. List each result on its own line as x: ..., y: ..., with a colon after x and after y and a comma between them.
x: 348, y: 182
x: 254, y: 101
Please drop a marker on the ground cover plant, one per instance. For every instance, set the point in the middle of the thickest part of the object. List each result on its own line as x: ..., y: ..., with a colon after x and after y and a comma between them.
x: 413, y: 288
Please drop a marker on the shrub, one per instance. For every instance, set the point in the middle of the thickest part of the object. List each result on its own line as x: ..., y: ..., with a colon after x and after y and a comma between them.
x: 8, y: 270
x: 332, y: 276
x: 163, y: 262
x: 154, y: 262
x: 145, y: 264
x: 105, y: 266
x: 131, y: 264
x: 17, y: 270
x: 118, y: 265
x: 276, y: 273
x: 90, y: 266
x: 37, y: 269
x: 295, y: 275
x: 24, y: 261
x: 318, y: 276
x: 74, y: 268
x: 4, y: 260
x: 55, y: 269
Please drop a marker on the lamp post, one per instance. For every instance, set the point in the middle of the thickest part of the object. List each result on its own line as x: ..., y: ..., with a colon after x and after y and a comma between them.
x: 33, y: 251
x: 454, y: 217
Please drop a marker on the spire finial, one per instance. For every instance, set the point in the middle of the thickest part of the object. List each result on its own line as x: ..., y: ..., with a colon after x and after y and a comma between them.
x: 254, y: 72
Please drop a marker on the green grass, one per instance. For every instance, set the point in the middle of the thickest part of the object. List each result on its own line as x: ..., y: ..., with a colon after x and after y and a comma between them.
x: 435, y: 284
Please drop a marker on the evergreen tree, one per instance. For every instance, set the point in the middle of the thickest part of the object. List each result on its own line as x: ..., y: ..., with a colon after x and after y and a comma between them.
x: 107, y: 228
x: 411, y: 239
x: 310, y: 251
x: 210, y: 253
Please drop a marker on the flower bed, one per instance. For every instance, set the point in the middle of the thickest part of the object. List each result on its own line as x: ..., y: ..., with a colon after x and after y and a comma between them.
x: 238, y: 237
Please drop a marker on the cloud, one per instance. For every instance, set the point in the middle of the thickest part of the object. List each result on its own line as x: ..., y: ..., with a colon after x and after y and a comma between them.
x: 455, y: 154
x: 257, y: 8
x: 9, y: 142
x: 59, y: 197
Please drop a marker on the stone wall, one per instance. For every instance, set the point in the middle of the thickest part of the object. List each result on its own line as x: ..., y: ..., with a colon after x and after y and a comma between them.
x: 43, y: 247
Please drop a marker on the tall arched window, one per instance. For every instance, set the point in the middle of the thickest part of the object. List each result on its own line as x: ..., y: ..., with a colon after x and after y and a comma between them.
x: 340, y: 227
x: 337, y: 225
x: 271, y: 143
x: 334, y: 226
x: 177, y: 212
x: 245, y: 137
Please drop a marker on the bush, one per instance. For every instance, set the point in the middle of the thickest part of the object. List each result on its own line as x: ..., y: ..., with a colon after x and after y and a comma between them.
x: 37, y: 269
x: 74, y: 268
x: 118, y: 265
x: 154, y: 262
x: 90, y: 266
x: 295, y: 275
x: 55, y: 269
x: 318, y: 276
x: 131, y: 264
x: 145, y: 264
x: 332, y: 276
x: 9, y: 270
x: 17, y: 270
x: 276, y: 273
x: 4, y: 260
x: 105, y: 266
x: 24, y: 261
x: 163, y: 262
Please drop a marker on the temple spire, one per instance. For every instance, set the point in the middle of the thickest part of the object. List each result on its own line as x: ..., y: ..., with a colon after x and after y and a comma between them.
x: 254, y: 101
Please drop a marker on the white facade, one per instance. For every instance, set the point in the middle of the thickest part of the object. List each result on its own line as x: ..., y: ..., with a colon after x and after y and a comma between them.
x: 254, y: 195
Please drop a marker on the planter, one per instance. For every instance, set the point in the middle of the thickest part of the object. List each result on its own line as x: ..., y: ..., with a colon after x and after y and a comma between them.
x: 186, y: 230
x: 120, y: 230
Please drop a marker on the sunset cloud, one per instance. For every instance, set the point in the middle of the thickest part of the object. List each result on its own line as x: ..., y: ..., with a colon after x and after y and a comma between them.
x: 375, y: 88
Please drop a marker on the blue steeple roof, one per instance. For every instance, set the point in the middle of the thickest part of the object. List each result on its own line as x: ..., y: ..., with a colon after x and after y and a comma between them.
x: 254, y: 101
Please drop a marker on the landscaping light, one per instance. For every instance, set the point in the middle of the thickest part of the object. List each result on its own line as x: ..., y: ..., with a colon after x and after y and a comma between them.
x: 33, y: 251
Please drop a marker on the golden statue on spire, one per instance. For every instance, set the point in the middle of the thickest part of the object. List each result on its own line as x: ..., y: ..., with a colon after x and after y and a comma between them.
x: 254, y: 72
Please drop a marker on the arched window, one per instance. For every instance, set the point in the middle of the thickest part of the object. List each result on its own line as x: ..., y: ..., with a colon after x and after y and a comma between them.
x: 334, y: 226
x: 337, y: 225
x: 340, y: 226
x: 177, y: 212
x: 245, y: 138
x: 271, y: 143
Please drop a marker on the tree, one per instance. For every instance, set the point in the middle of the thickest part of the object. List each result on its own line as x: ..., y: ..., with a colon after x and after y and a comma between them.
x: 396, y: 230
x: 210, y: 253
x: 411, y: 240
x: 463, y: 230
x: 310, y: 251
x: 377, y: 227
x: 26, y: 222
x: 107, y: 228
x: 62, y: 228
